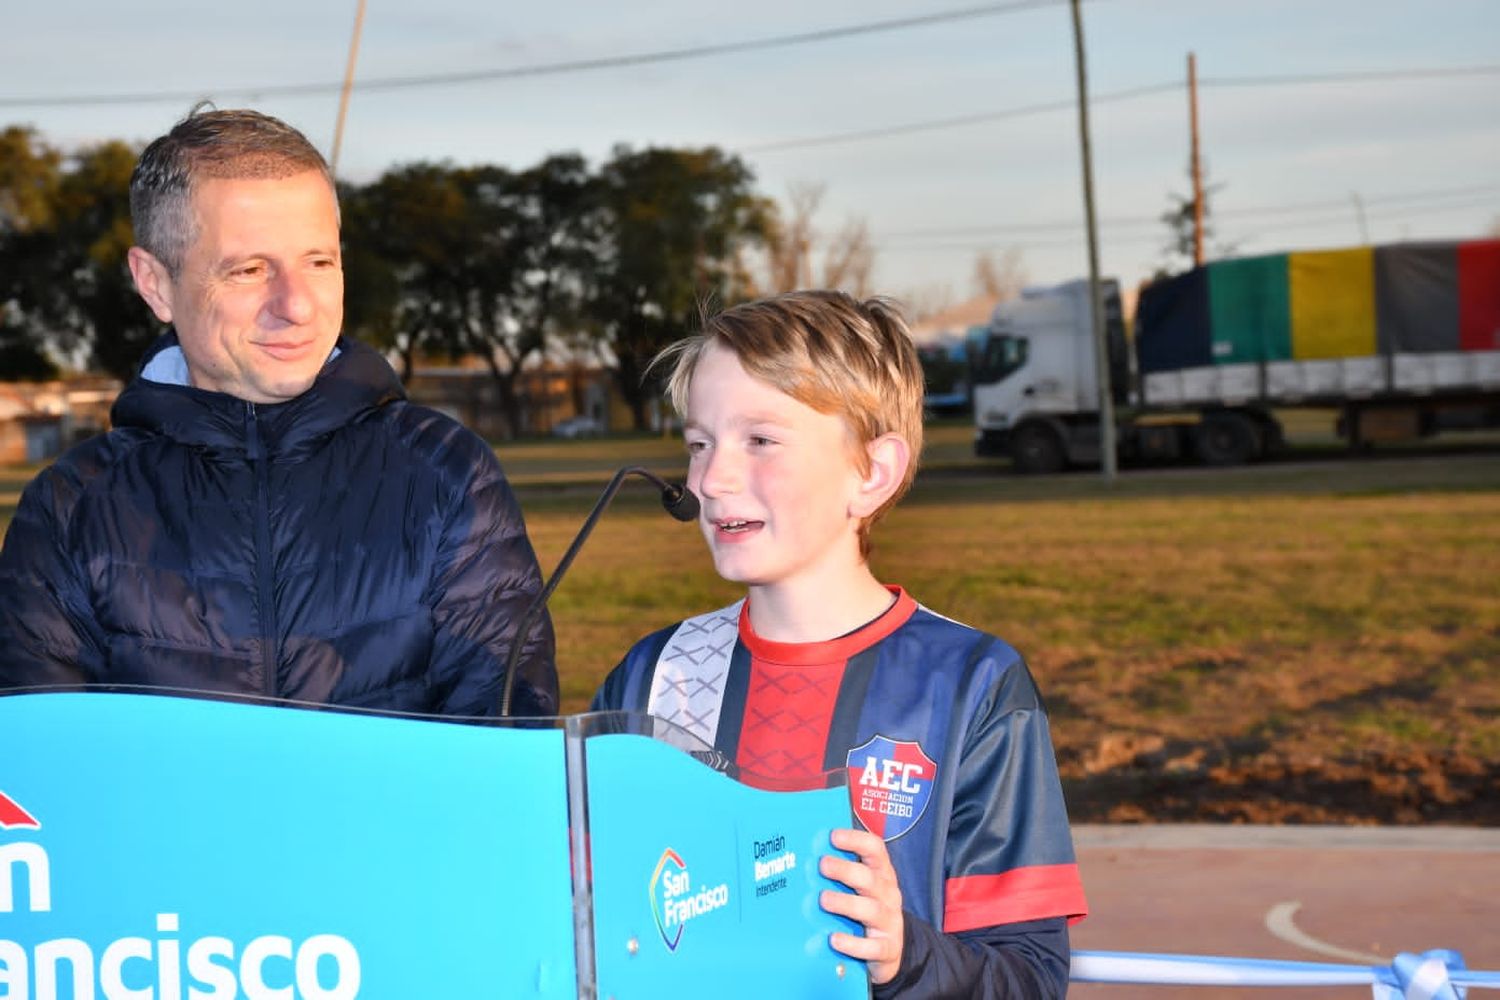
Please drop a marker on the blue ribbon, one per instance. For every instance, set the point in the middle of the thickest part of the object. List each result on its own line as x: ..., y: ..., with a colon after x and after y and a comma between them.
x: 1438, y: 974
x: 1428, y: 976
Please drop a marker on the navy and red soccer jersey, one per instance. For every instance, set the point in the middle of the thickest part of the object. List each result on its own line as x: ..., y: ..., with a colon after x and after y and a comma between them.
x: 938, y: 726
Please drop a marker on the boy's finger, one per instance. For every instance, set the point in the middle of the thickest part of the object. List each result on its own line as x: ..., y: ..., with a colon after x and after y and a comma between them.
x: 871, y: 949
x: 862, y: 842
x: 860, y: 909
x: 855, y: 874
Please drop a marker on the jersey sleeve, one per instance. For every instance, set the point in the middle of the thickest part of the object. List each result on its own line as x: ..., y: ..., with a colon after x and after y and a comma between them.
x: 628, y: 686
x: 1011, y: 879
x: 1024, y: 961
x: 1009, y: 852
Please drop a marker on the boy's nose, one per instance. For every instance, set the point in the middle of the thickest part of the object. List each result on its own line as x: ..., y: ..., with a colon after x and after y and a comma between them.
x: 720, y: 474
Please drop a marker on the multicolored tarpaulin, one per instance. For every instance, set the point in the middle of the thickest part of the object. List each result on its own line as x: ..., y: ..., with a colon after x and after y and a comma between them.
x: 1416, y: 298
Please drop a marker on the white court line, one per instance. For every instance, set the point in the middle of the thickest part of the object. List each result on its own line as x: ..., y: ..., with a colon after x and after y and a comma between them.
x: 1279, y: 921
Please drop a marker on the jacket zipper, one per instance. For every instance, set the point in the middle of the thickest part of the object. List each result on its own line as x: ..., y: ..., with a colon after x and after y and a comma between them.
x: 263, y: 557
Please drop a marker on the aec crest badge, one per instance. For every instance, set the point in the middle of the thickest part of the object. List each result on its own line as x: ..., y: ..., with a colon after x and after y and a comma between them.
x: 890, y: 784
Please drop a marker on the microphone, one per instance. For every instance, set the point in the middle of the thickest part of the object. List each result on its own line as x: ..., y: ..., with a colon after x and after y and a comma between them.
x: 679, y: 501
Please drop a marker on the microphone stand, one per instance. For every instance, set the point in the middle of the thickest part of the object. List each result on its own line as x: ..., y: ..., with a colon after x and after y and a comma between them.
x: 678, y: 501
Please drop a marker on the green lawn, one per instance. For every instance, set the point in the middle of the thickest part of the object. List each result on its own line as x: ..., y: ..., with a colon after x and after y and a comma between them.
x: 1312, y: 607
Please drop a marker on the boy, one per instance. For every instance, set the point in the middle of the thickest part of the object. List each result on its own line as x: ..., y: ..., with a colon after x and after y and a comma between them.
x: 803, y: 422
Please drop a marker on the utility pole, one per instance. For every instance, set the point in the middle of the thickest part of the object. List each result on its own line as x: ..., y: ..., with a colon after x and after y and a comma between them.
x: 338, y: 128
x: 1197, y: 166
x: 1096, y: 296
x: 1359, y: 214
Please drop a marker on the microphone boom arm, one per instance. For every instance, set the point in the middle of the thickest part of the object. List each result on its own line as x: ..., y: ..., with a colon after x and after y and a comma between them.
x: 678, y: 501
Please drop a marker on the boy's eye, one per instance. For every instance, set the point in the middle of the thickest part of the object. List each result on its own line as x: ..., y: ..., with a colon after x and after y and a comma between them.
x: 760, y: 440
x: 694, y: 447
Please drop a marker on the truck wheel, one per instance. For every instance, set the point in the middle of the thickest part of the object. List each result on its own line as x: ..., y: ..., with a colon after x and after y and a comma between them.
x: 1036, y: 448
x: 1226, y: 439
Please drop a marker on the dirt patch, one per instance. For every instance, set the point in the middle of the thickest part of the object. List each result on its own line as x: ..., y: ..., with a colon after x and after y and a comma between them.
x: 1400, y: 728
x: 1163, y: 783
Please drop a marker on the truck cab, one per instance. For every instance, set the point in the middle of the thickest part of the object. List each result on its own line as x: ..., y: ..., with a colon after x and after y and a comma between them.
x: 1035, y: 381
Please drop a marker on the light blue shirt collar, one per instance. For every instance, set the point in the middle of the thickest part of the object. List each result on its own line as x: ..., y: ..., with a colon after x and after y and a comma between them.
x: 170, y: 366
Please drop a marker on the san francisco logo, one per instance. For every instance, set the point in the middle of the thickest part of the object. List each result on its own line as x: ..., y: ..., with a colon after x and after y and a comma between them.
x: 12, y: 816
x: 675, y: 901
x: 168, y: 961
x: 890, y: 784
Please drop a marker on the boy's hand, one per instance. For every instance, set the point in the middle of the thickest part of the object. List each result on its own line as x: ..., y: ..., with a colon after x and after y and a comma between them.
x: 874, y: 900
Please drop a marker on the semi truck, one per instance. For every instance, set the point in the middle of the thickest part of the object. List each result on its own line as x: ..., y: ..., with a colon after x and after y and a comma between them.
x: 1402, y: 340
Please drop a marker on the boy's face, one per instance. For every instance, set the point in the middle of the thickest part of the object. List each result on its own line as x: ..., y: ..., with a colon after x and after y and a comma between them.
x: 779, y: 486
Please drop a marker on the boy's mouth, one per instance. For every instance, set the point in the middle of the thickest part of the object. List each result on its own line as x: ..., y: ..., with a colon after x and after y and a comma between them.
x: 735, y: 525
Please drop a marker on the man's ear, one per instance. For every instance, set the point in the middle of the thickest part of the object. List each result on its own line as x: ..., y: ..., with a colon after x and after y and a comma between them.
x: 153, y: 281
x: 890, y: 455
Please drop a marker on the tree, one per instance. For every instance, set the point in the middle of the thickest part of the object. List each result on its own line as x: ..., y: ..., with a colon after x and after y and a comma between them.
x: 848, y: 258
x: 64, y: 232
x: 476, y: 261
x: 928, y: 300
x: 789, y: 238
x: 546, y: 243
x: 29, y: 174
x: 1180, y: 219
x: 95, y: 304
x: 30, y: 171
x: 674, y: 225
x: 1000, y: 280
x: 409, y: 238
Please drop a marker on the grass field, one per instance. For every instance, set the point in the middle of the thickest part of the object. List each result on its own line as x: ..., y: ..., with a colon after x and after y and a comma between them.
x: 1317, y: 640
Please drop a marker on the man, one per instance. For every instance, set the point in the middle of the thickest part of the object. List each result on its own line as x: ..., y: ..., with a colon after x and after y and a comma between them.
x: 269, y: 515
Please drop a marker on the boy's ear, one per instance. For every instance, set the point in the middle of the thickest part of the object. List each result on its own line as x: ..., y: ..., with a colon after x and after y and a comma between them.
x: 890, y: 455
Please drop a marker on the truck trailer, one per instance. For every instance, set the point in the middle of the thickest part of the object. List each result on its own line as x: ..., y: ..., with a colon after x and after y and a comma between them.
x: 1402, y: 340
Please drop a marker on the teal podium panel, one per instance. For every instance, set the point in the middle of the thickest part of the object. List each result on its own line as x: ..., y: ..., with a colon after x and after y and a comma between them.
x: 695, y: 874
x: 205, y: 849
x: 155, y: 847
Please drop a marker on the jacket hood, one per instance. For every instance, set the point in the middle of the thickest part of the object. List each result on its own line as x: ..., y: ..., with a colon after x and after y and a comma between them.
x: 351, y: 386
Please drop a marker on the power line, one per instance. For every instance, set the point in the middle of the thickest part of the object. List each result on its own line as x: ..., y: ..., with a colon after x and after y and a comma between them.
x: 1114, y: 239
x: 1395, y: 213
x: 1278, y: 80
x: 556, y: 68
x: 1069, y: 104
x: 1361, y: 76
x: 1124, y: 222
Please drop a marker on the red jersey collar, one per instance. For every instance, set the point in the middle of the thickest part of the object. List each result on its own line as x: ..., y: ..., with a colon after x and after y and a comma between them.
x: 845, y: 646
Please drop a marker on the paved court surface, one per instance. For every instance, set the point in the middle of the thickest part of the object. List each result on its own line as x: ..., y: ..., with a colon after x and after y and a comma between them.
x: 1305, y: 893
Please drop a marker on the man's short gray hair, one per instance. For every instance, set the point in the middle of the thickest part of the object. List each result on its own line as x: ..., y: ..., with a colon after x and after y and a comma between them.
x: 232, y: 144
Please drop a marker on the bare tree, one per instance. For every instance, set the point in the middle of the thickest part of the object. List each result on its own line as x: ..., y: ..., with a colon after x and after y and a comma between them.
x: 850, y: 259
x: 791, y: 238
x: 848, y: 256
x: 929, y: 300
x: 1000, y: 280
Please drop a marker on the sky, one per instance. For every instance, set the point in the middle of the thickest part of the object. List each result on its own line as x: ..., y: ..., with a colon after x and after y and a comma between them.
x: 1324, y: 123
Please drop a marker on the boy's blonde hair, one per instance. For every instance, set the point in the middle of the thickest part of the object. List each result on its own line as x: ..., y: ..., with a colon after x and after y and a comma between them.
x: 826, y: 350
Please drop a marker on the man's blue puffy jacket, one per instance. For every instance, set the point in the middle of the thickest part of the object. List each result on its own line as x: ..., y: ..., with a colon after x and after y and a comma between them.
x: 344, y: 547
